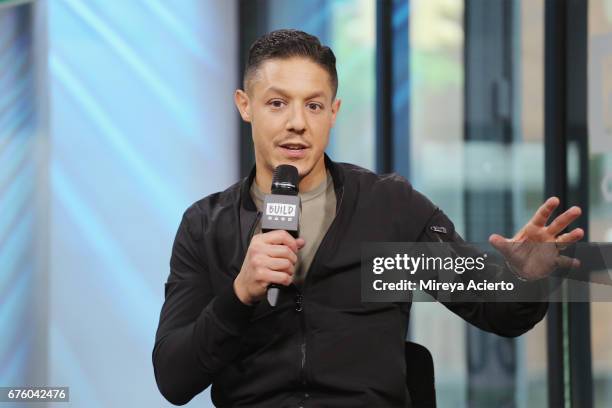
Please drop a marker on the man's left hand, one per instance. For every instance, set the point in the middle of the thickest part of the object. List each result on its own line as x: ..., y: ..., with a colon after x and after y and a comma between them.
x: 529, y: 258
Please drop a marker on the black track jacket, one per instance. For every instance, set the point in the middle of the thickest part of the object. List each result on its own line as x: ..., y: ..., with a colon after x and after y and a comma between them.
x: 320, y: 346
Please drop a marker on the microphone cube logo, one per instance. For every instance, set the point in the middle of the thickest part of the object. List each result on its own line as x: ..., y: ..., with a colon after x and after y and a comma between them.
x: 280, y: 211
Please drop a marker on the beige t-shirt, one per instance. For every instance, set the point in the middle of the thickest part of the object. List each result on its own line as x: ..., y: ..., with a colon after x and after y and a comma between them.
x: 318, y: 212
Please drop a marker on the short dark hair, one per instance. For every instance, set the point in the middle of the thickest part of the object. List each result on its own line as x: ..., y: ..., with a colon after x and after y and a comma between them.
x: 288, y: 43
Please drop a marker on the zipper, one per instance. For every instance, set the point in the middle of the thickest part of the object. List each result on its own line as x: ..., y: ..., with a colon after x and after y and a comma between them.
x: 303, y: 345
x: 437, y: 230
x: 299, y: 300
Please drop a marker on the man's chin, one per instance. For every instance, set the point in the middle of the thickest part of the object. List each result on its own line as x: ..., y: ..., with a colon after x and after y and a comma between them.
x: 300, y: 164
x: 303, y: 168
x: 305, y: 165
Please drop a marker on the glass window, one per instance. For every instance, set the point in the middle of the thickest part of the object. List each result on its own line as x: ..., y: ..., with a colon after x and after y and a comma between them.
x: 600, y: 182
x: 436, y: 130
x: 462, y: 174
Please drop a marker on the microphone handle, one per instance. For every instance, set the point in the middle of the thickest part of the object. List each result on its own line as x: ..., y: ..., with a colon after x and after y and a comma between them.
x: 272, y: 294
x: 273, y: 289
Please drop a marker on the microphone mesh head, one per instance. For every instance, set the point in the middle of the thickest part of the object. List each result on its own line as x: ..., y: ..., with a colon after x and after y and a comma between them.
x: 285, y: 180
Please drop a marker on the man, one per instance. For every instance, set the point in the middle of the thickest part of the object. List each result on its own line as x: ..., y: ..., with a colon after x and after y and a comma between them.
x: 320, y: 346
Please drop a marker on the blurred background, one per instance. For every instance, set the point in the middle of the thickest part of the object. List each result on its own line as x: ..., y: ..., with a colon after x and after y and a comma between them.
x: 116, y: 115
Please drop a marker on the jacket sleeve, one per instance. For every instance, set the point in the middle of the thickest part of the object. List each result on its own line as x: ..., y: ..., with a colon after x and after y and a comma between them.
x: 508, y: 319
x: 199, y: 331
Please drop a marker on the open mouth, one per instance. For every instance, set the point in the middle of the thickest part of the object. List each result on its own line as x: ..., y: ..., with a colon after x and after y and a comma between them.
x: 293, y: 146
x: 294, y: 150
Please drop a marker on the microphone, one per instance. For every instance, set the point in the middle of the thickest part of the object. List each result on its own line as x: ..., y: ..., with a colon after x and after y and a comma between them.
x: 282, y: 210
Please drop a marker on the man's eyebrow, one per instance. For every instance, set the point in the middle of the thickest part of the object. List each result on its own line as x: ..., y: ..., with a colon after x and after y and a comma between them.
x: 280, y: 91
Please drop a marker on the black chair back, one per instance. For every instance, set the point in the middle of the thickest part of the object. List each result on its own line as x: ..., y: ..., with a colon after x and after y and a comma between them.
x: 420, y: 376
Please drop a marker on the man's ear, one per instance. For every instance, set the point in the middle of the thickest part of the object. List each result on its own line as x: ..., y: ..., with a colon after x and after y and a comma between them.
x: 335, y: 107
x: 241, y: 99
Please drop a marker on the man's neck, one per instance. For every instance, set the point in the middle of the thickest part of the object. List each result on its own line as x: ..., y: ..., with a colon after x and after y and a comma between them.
x: 263, y: 178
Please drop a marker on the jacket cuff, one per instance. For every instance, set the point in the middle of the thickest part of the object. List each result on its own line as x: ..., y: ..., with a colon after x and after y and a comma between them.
x: 230, y: 311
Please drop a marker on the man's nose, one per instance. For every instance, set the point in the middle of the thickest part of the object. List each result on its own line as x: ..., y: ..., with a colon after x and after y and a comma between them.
x: 297, y: 120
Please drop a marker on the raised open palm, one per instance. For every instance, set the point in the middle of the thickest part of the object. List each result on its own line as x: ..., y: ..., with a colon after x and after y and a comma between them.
x: 534, y: 251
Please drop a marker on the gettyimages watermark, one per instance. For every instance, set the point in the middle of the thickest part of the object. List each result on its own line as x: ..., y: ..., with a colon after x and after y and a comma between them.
x: 477, y: 272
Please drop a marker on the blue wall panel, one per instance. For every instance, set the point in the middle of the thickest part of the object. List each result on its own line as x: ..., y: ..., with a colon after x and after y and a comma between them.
x: 142, y: 125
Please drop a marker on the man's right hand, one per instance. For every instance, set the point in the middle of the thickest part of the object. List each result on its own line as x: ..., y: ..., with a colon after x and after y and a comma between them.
x: 270, y: 258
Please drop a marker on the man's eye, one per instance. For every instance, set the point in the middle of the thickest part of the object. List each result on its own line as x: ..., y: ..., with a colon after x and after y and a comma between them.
x: 276, y: 104
x: 314, y: 106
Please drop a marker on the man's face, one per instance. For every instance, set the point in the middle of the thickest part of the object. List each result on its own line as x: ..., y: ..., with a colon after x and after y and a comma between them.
x: 290, y: 105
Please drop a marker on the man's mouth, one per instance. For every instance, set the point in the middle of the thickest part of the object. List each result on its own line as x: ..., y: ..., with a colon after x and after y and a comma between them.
x: 294, y: 150
x: 293, y: 146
